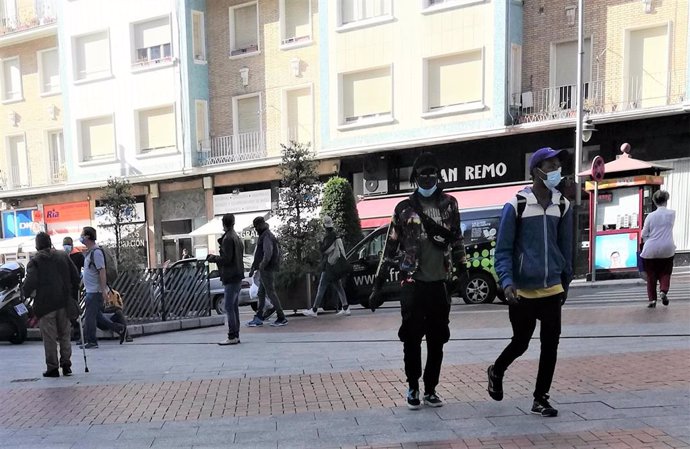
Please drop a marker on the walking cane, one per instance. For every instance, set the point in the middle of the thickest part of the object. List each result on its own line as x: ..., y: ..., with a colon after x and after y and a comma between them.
x: 83, y: 346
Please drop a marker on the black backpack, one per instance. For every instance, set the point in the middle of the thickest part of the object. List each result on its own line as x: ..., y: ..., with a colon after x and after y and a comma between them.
x: 522, y: 203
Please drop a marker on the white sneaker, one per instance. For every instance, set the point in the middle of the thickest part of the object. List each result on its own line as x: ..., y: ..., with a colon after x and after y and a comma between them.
x: 229, y: 341
x: 309, y: 312
x: 345, y: 312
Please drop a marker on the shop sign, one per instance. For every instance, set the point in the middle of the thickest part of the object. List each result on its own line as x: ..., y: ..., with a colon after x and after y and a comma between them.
x: 67, y: 218
x: 254, y: 200
x: 626, y: 181
x: 134, y: 214
x: 470, y: 168
x: 21, y: 223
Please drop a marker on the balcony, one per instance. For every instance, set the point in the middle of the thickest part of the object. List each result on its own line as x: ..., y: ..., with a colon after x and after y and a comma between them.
x: 15, y: 17
x: 608, y: 96
x: 230, y: 149
x: 15, y: 178
x: 58, y: 172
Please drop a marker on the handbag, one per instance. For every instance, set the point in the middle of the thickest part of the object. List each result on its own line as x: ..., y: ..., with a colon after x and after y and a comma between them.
x: 113, y: 301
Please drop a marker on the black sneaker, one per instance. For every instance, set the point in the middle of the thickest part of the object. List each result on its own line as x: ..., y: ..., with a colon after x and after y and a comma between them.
x: 432, y: 400
x: 269, y: 313
x: 66, y: 371
x: 52, y: 373
x: 123, y: 335
x: 495, y: 387
x: 541, y: 406
x: 664, y: 298
x: 279, y: 322
x: 652, y: 304
x: 89, y: 346
x: 413, y: 402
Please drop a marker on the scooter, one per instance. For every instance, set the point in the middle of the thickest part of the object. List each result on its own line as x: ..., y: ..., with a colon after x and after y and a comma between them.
x: 13, y: 311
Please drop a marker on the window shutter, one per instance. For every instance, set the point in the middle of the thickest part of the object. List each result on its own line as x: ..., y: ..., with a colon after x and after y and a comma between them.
x: 157, y: 128
x: 297, y: 19
x: 248, y: 115
x: 455, y: 79
x: 246, y: 31
x: 98, y: 138
x: 300, y: 115
x: 367, y: 93
x: 50, y: 68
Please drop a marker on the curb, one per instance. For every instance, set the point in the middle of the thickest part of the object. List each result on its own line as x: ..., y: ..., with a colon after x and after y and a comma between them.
x: 607, y: 283
x: 138, y: 330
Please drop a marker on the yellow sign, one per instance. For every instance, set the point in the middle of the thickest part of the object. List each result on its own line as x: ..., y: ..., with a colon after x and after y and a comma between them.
x: 642, y: 180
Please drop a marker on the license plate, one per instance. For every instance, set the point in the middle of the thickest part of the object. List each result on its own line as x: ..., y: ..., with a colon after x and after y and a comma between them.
x: 21, y: 309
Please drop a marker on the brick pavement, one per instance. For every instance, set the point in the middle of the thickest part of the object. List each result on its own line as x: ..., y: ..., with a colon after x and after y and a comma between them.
x: 290, y: 394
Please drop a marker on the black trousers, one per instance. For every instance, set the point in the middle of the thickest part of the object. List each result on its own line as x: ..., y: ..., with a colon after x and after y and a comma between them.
x: 523, y: 318
x: 425, y: 309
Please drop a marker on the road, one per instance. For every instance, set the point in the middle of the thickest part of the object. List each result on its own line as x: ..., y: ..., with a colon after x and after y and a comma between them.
x: 337, y: 382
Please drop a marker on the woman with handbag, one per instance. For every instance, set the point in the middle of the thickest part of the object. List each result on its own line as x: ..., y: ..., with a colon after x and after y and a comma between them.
x: 333, y: 268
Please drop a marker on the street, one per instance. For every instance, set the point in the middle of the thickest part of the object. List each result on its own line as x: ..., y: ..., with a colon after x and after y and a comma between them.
x: 337, y: 382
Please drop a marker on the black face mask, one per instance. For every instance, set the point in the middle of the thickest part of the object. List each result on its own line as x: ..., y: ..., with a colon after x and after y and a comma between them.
x: 427, y: 180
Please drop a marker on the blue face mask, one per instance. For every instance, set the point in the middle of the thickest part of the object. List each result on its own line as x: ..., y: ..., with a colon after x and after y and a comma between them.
x: 82, y: 239
x: 67, y: 248
x: 426, y: 193
x: 553, y: 178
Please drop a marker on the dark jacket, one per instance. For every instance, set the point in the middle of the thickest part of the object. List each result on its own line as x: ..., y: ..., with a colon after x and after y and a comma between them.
x: 406, y: 231
x: 54, y: 278
x: 267, y: 254
x: 77, y: 259
x: 230, y: 261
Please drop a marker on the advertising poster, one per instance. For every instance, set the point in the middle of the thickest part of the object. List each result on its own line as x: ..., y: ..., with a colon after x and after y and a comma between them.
x: 67, y: 218
x: 616, y: 251
x: 21, y: 223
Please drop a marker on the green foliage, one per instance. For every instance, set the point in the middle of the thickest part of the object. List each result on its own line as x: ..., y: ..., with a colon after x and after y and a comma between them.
x: 299, y: 198
x: 339, y: 203
x: 119, y: 204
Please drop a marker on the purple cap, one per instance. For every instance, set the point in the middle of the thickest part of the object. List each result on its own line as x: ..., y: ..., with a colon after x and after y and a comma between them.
x: 541, y: 155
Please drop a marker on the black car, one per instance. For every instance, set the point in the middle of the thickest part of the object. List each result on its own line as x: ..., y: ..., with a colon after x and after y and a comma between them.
x: 479, y: 285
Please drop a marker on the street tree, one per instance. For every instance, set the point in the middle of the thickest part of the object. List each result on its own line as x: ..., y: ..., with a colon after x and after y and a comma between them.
x: 119, y: 207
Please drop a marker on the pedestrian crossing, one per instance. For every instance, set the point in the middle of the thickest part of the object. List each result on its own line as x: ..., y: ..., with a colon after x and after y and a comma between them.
x: 680, y: 290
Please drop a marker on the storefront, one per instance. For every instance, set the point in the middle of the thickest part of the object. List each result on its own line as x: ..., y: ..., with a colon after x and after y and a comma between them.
x: 133, y: 235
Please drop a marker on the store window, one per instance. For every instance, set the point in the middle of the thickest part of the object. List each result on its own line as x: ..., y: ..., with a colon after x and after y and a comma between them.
x: 92, y: 56
x: 618, y: 209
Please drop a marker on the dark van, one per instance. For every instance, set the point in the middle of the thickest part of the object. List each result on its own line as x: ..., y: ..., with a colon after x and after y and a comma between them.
x: 479, y: 285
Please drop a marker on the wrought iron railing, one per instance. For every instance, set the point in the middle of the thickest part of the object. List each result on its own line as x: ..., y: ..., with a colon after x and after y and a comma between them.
x: 42, y: 12
x: 235, y: 148
x: 607, y: 96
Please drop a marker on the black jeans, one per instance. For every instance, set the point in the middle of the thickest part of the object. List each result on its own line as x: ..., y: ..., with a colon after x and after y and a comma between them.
x: 523, y: 318
x: 267, y: 287
x: 425, y: 309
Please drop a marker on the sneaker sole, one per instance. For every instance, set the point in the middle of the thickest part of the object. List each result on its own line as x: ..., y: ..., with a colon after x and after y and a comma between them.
x: 414, y: 407
x: 432, y: 404
x: 279, y: 325
x: 543, y: 415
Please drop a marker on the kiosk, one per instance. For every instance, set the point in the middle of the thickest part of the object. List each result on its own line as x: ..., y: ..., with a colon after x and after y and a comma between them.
x: 620, y: 201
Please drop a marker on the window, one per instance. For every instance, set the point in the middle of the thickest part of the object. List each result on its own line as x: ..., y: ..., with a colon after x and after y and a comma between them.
x: 300, y: 116
x: 92, y: 56
x: 152, y: 41
x: 447, y: 4
x: 295, y: 21
x: 49, y: 71
x: 56, y: 149
x: 198, y: 36
x: 445, y: 91
x: 19, y: 161
x: 248, y: 139
x: 367, y: 96
x: 8, y: 15
x: 97, y: 138
x: 157, y: 129
x: 201, y: 123
x: 357, y: 10
x: 647, y: 62
x: 11, y: 80
x: 515, y: 73
x: 564, y: 73
x: 244, y: 29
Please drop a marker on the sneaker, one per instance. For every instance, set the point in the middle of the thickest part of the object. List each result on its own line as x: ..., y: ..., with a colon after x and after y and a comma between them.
x: 66, y: 371
x: 541, y: 406
x: 123, y: 334
x: 230, y: 341
x: 128, y: 339
x: 279, y: 322
x: 652, y: 304
x: 89, y: 346
x: 309, y: 312
x: 256, y: 322
x: 269, y: 313
x: 344, y: 312
x: 413, y: 402
x: 664, y: 298
x: 495, y: 387
x: 432, y: 400
x: 52, y: 373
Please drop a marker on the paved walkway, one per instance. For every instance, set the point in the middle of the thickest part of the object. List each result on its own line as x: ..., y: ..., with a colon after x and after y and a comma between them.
x: 332, y: 382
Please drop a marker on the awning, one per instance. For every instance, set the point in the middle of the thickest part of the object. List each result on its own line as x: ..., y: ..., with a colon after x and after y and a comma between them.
x: 215, y: 226
x: 376, y: 212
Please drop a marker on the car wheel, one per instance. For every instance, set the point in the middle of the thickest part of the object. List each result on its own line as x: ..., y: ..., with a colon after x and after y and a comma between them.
x: 254, y: 306
x: 219, y: 304
x: 479, y: 288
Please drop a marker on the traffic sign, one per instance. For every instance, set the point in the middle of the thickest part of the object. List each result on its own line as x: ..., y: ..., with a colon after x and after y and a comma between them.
x: 598, y: 168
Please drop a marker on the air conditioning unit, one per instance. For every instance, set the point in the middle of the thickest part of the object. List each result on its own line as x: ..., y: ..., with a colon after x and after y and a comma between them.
x: 375, y: 176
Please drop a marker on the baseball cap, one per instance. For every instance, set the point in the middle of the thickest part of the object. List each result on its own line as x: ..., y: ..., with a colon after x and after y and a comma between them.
x: 541, y: 155
x: 327, y: 221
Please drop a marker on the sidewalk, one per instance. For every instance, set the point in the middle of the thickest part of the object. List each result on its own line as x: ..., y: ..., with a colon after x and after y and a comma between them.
x: 335, y: 382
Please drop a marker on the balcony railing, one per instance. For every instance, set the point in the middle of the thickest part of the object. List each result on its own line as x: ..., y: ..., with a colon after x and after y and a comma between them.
x: 230, y: 149
x: 58, y: 172
x: 608, y: 96
x: 43, y: 12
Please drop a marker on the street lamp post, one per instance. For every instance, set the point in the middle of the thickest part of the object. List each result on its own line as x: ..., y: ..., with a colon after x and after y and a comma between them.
x: 580, y: 109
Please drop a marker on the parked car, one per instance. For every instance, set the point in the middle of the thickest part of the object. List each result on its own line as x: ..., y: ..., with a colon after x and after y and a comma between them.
x: 478, y: 285
x: 218, y: 293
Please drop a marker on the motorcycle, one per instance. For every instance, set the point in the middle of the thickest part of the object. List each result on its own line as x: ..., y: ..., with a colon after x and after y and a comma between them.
x: 13, y: 311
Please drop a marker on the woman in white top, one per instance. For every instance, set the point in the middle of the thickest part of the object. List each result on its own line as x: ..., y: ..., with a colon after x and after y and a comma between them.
x: 658, y: 250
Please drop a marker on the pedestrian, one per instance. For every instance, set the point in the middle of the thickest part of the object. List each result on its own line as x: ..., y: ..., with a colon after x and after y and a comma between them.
x: 267, y: 262
x: 96, y: 285
x: 53, y: 281
x: 114, y: 306
x: 231, y: 266
x: 425, y: 230
x: 658, y: 250
x: 331, y: 248
x: 533, y: 260
x: 75, y: 255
